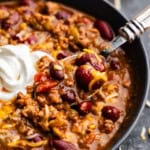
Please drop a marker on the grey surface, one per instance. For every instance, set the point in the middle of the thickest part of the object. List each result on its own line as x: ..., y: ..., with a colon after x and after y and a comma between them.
x: 134, y: 142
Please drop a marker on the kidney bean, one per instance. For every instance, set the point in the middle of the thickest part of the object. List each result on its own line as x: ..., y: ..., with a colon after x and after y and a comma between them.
x: 105, y: 30
x: 45, y: 86
x: 111, y: 112
x: 11, y: 20
x: 92, y: 59
x: 62, y: 55
x: 69, y: 96
x: 84, y: 107
x: 62, y: 15
x: 86, y: 57
x: 83, y: 77
x: 57, y: 71
x: 62, y: 145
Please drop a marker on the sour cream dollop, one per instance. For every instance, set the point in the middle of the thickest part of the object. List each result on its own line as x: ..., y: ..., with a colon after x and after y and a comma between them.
x: 17, y: 69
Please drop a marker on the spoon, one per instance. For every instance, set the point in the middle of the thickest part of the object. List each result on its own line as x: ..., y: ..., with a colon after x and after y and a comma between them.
x: 132, y: 30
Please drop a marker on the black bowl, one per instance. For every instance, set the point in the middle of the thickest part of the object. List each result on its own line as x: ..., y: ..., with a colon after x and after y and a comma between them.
x: 136, y: 55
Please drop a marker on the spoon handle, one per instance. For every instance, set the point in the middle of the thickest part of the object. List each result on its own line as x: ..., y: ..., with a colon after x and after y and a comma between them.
x: 135, y: 27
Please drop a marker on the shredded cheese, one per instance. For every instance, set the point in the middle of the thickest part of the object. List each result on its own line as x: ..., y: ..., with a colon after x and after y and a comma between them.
x: 8, y: 126
x: 27, y: 143
x: 92, y: 52
x: 98, y: 76
x: 88, y: 50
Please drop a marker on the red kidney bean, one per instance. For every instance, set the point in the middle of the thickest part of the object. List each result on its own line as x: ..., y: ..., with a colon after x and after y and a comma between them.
x: 86, y: 57
x: 91, y: 58
x: 84, y: 107
x: 45, y: 86
x: 11, y: 20
x: 111, y: 112
x: 83, y: 77
x: 62, y: 15
x: 69, y: 96
x: 105, y: 29
x: 57, y: 71
x: 62, y: 145
x: 62, y: 55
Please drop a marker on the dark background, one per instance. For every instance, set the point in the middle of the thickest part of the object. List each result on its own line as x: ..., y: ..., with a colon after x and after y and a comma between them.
x: 130, y: 8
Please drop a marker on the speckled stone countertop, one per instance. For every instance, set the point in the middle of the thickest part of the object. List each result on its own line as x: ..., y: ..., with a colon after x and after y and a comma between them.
x: 134, y: 142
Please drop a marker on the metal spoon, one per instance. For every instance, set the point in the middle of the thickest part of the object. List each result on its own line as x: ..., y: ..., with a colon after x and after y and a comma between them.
x: 132, y: 30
